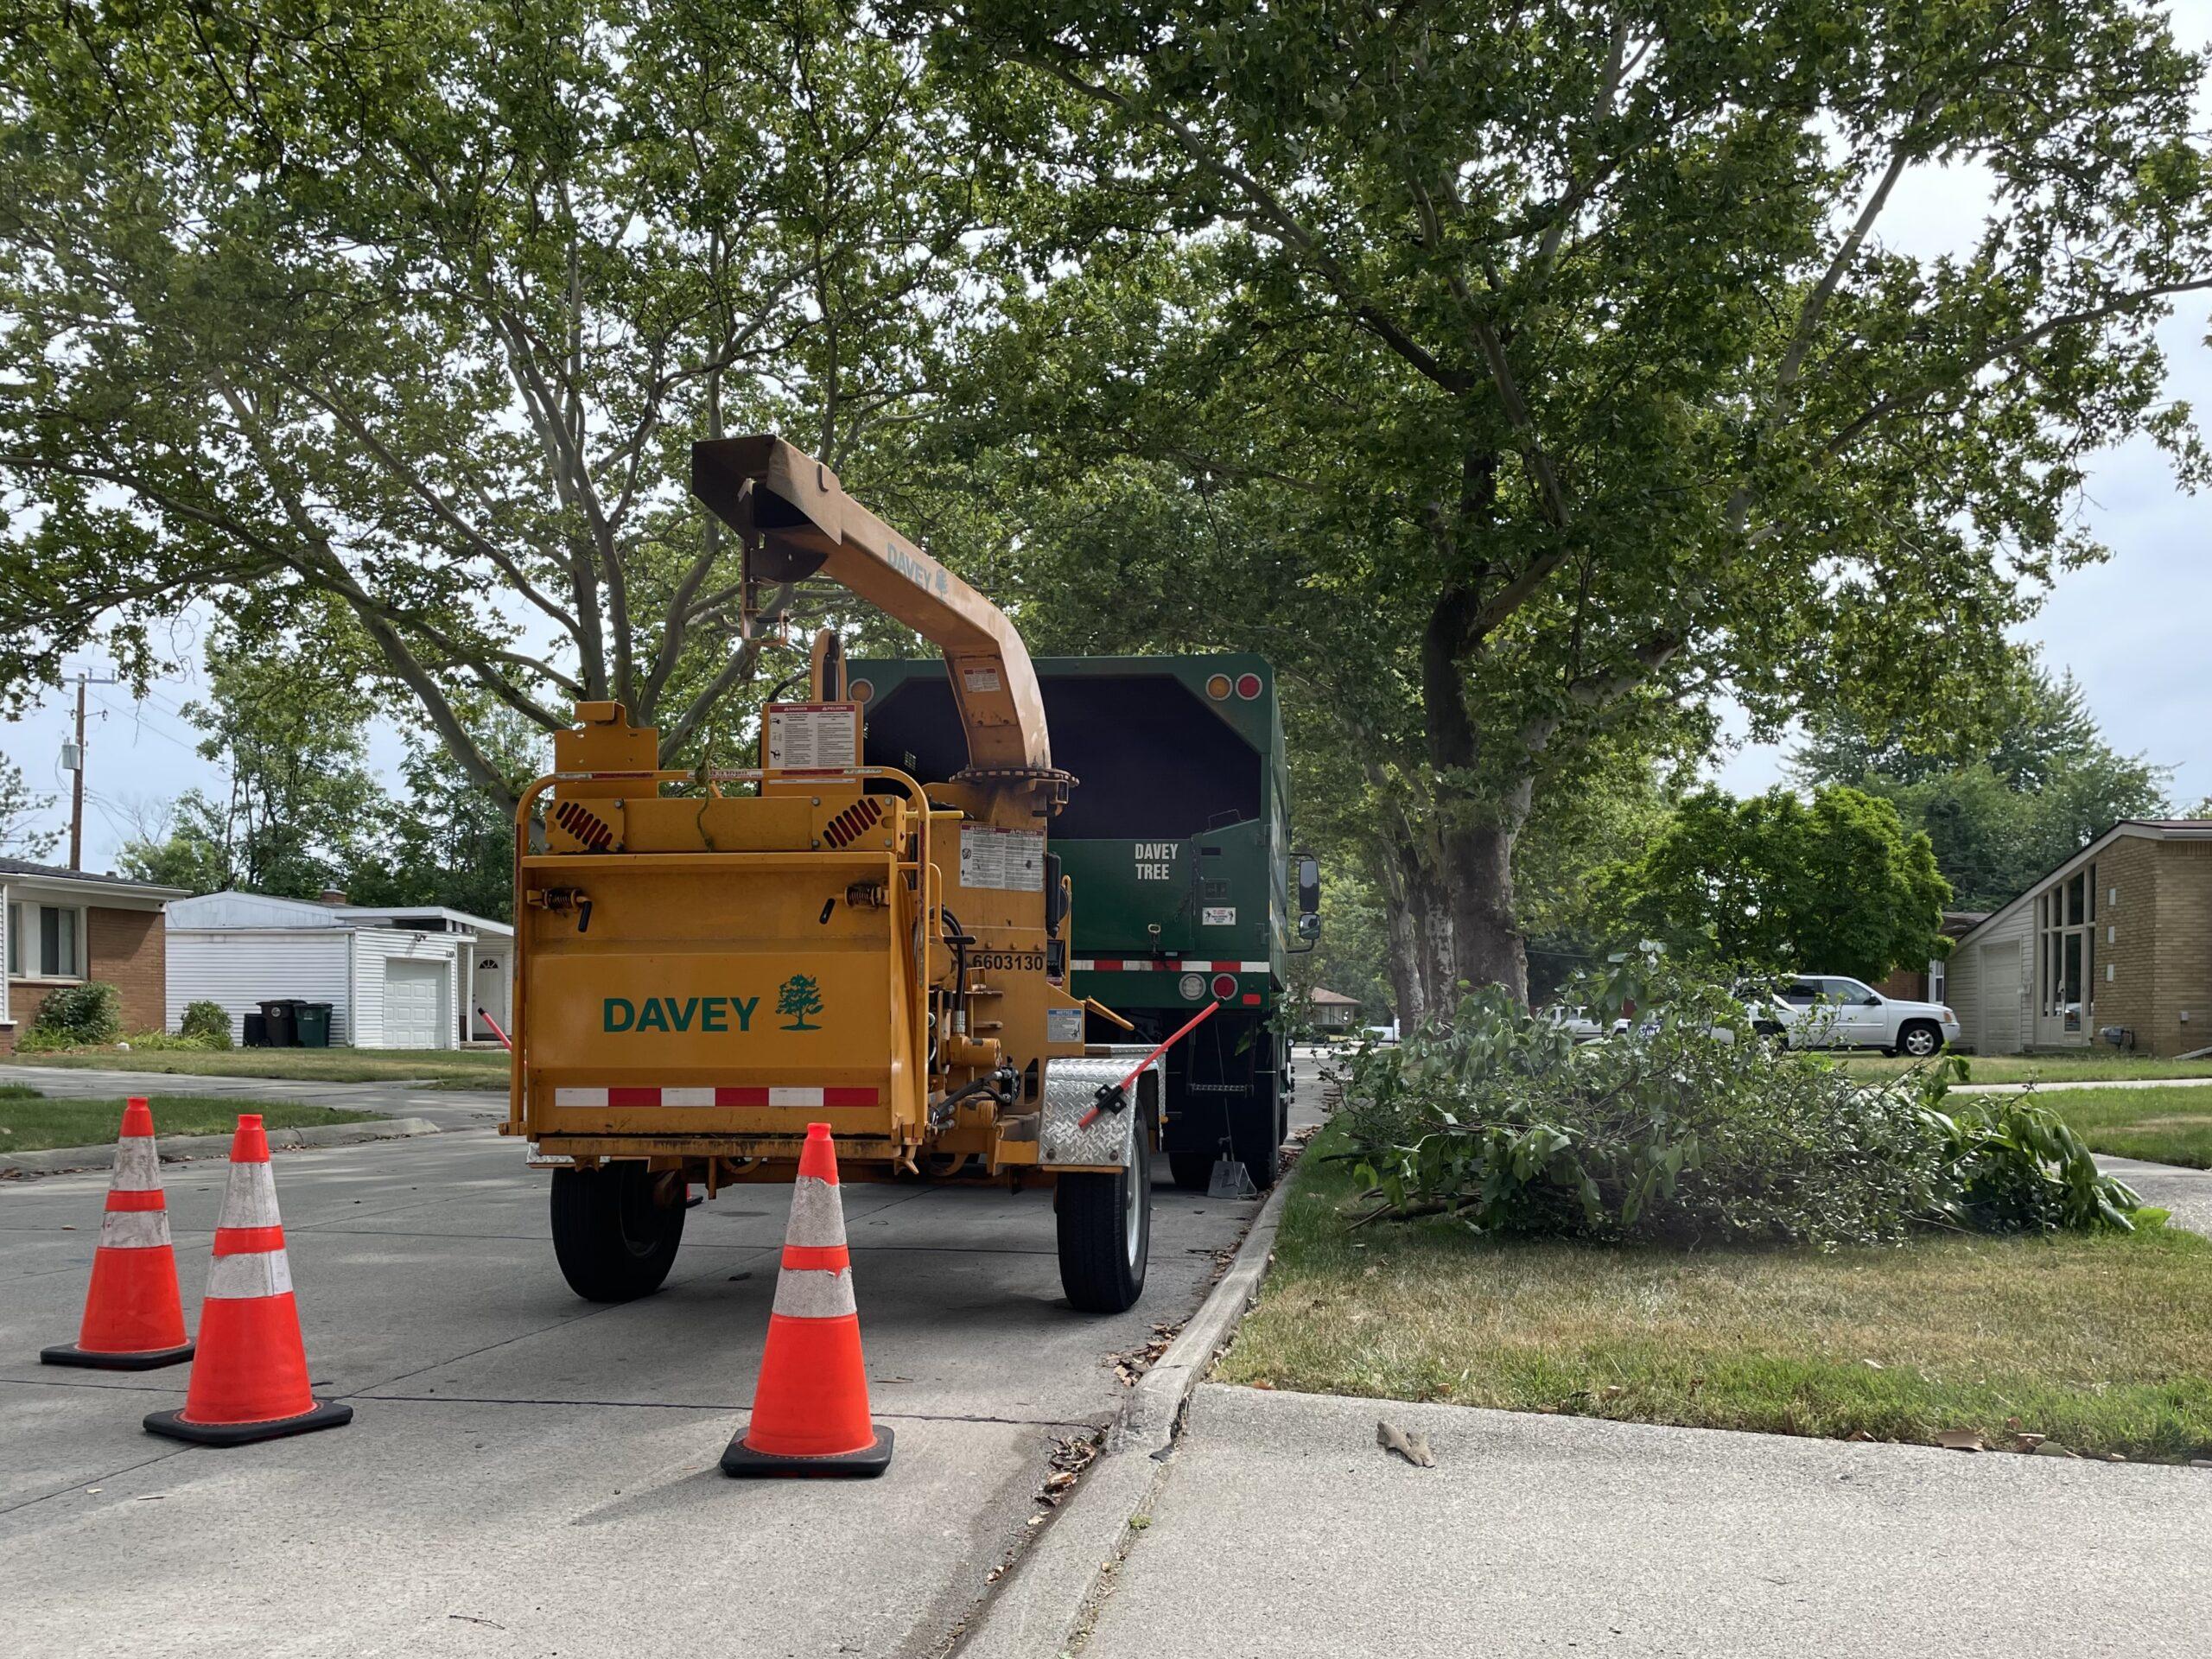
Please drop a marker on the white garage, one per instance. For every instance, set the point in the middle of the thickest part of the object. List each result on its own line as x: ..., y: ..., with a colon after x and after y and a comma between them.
x: 389, y: 985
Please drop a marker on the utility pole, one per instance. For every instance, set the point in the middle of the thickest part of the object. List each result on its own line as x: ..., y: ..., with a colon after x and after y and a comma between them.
x: 85, y: 677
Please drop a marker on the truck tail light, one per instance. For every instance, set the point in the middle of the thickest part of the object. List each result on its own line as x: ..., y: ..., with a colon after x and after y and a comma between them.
x: 1217, y: 687
x: 1224, y: 985
x: 1194, y: 986
x: 1248, y: 686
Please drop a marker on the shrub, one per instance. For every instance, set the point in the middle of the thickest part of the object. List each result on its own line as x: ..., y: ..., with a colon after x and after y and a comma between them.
x: 1694, y: 1130
x: 77, y: 1014
x: 162, y: 1040
x: 210, y: 1022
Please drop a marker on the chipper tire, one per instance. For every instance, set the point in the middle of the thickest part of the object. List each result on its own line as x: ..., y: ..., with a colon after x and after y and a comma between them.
x: 613, y: 1238
x: 1105, y: 1233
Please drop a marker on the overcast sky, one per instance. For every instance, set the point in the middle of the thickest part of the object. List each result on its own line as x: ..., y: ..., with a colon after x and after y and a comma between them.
x: 2137, y: 632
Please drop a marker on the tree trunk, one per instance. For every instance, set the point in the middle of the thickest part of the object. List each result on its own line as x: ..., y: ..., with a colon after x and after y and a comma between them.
x: 1486, y: 946
x: 1471, y: 932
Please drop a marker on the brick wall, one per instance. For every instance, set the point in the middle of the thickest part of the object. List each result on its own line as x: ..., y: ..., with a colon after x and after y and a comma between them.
x: 129, y: 950
x: 2127, y: 939
x: 1905, y: 984
x: 2182, y: 983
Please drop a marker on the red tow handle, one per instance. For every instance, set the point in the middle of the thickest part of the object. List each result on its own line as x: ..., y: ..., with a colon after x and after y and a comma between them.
x: 1189, y: 1025
x: 496, y: 1031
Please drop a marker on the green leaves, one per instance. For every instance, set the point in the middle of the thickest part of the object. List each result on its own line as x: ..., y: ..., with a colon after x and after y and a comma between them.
x: 417, y: 307
x: 1774, y: 884
x: 1695, y: 1132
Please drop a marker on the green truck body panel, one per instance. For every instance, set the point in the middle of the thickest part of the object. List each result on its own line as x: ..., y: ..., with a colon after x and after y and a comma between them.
x: 1176, y: 839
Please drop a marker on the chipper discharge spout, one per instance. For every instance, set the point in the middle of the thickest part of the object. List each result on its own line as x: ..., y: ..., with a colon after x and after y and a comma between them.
x: 707, y: 960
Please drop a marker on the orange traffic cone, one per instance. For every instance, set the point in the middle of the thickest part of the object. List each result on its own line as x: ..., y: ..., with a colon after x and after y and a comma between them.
x: 134, y: 1318
x: 250, y: 1380
x: 810, y: 1408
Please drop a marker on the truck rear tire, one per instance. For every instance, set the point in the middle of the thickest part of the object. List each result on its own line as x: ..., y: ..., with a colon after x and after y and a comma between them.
x: 615, y: 1240
x: 1105, y: 1232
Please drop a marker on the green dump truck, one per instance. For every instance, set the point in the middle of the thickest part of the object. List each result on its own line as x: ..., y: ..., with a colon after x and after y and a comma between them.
x: 1176, y: 840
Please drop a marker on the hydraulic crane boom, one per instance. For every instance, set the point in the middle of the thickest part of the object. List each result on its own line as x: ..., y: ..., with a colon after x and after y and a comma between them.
x: 795, y: 520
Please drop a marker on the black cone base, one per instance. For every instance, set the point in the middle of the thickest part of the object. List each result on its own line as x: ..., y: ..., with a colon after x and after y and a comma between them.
x: 146, y: 1359
x: 743, y: 1463
x: 327, y: 1413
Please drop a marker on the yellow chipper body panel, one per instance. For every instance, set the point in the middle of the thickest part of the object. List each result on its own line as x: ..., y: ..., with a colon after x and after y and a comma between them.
x: 708, y: 962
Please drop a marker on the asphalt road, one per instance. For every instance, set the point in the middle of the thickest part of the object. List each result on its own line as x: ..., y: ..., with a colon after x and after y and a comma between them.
x: 528, y: 1473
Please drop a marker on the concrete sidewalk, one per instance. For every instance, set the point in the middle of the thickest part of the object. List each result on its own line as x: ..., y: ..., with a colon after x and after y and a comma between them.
x: 2058, y: 1085
x: 1283, y: 1530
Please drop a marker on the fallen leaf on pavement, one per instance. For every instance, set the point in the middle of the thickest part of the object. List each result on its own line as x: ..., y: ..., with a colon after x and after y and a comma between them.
x: 1961, y: 1439
x: 1412, y: 1447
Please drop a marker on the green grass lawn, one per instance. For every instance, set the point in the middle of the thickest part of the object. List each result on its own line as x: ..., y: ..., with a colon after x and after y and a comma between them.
x: 2104, y: 1343
x: 31, y: 1122
x: 2165, y: 1126
x: 467, y: 1067
x: 2055, y: 1069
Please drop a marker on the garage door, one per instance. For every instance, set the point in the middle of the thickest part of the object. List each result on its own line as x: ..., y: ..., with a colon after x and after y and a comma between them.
x: 412, y: 994
x: 2001, y: 999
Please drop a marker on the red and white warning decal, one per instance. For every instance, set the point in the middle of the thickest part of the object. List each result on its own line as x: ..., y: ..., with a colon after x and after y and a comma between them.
x: 631, y: 1096
x: 1161, y: 965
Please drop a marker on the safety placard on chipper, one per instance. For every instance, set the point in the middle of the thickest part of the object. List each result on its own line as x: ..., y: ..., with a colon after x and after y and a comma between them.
x: 813, y: 736
x: 1001, y: 858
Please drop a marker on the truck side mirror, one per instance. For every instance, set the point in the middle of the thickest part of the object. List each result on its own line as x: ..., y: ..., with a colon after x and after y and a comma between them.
x: 1309, y: 885
x: 1056, y: 897
x: 1309, y: 926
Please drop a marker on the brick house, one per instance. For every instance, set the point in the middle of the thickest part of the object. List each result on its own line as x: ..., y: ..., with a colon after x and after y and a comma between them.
x: 61, y: 927
x: 2117, y: 938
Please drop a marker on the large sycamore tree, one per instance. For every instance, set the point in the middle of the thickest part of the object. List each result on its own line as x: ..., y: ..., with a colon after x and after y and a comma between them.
x: 1543, y: 372
x: 413, y: 309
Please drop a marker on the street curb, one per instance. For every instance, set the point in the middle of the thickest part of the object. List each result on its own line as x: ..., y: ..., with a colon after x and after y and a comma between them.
x: 1052, y: 1594
x: 177, y: 1149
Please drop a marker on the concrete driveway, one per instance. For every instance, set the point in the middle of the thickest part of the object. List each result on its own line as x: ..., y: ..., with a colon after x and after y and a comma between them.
x: 528, y: 1473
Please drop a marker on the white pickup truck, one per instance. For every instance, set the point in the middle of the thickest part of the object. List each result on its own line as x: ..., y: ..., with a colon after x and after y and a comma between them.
x: 1830, y: 1011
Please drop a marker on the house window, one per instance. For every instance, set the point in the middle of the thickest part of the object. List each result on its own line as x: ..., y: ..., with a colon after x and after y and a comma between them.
x: 1939, y: 979
x: 2066, y: 948
x: 45, y: 941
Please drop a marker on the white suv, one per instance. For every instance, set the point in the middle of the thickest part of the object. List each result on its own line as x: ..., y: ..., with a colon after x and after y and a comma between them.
x: 1828, y: 1011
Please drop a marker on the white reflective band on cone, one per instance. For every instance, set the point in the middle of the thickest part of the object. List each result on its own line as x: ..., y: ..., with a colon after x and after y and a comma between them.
x: 137, y: 1166
x: 817, y: 1214
x: 240, y: 1278
x: 814, y: 1294
x: 250, y: 1200
x: 134, y: 1230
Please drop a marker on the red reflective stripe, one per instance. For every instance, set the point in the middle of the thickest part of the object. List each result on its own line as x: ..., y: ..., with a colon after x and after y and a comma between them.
x: 1251, y: 999
x: 828, y: 1257
x: 136, y: 1200
x: 848, y: 1097
x: 1106, y: 965
x: 633, y: 1096
x: 740, y: 1096
x: 248, y: 1241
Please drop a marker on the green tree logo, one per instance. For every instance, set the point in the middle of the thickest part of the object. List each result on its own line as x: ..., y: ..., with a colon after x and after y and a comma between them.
x: 800, y: 997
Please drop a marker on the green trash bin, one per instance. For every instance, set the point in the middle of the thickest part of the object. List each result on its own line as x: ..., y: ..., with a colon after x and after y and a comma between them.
x: 312, y: 1021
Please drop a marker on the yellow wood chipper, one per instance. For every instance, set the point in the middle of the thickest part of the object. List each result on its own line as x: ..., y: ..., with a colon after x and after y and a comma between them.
x: 709, y: 961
